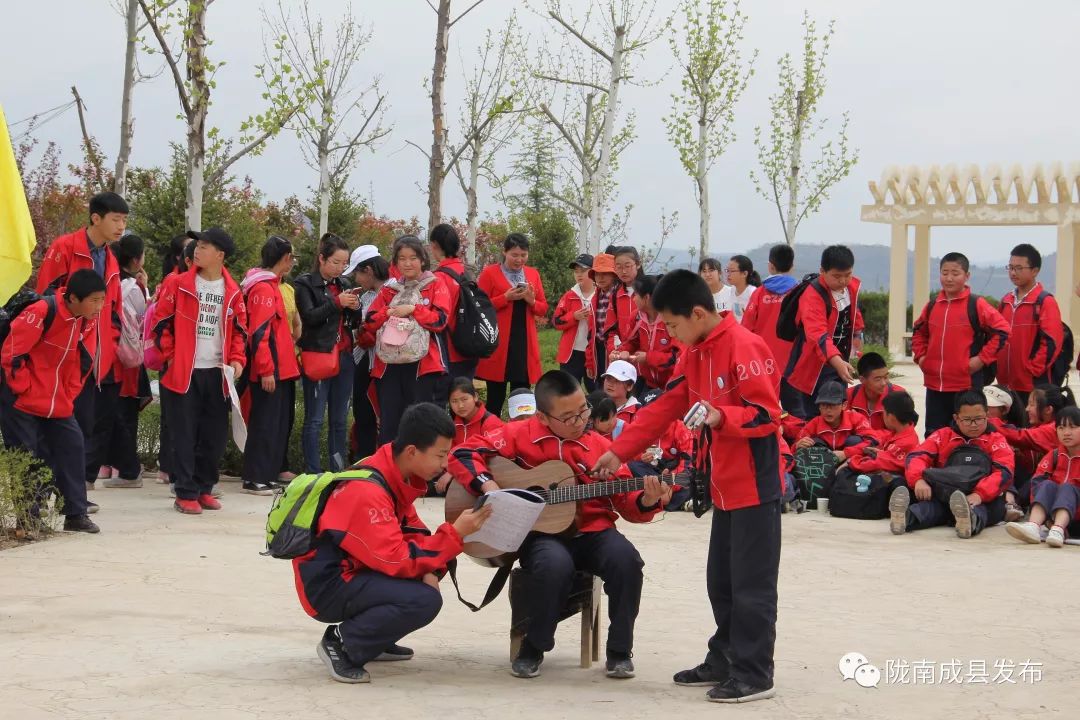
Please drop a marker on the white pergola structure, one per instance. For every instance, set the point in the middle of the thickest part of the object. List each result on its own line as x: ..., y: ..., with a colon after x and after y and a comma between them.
x: 925, y: 197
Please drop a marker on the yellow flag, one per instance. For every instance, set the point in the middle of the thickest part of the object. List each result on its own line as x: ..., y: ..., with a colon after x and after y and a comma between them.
x: 17, y: 238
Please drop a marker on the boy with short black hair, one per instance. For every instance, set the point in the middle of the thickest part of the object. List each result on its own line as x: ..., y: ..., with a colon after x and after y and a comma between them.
x: 890, y: 447
x: 374, y: 574
x: 830, y: 329
x: 200, y: 326
x: 46, y: 359
x: 969, y: 446
x: 954, y: 338
x: 841, y: 430
x: 763, y: 309
x: 559, y: 431
x: 733, y: 374
x: 874, y: 386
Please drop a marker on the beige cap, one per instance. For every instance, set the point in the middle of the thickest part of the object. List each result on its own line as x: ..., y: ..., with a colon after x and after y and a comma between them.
x: 996, y: 397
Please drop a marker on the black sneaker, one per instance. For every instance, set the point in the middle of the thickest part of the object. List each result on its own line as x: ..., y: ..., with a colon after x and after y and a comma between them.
x: 395, y: 653
x: 257, y: 488
x: 92, y: 508
x: 619, y: 665
x: 700, y: 676
x: 80, y: 523
x: 528, y: 661
x: 734, y: 691
x: 332, y: 652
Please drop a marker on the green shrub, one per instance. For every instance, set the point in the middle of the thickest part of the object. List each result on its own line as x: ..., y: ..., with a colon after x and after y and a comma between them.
x: 22, y: 476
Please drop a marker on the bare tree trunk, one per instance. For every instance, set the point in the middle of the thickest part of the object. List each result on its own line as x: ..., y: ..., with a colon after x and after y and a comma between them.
x: 793, y: 174
x: 127, y: 128
x: 604, y: 162
x: 701, y: 176
x: 324, y: 190
x: 436, y: 171
x: 472, y: 212
x: 200, y: 102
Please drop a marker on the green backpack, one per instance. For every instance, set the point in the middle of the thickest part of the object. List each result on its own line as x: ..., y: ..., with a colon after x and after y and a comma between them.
x: 293, y: 521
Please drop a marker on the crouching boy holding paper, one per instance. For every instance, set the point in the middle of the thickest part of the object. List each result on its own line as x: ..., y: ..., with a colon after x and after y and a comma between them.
x: 558, y: 432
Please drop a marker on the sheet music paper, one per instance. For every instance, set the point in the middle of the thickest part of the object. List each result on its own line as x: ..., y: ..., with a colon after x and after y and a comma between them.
x: 236, y: 417
x: 514, y: 512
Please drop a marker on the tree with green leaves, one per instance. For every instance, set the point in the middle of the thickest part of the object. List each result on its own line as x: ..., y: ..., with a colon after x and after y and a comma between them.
x: 798, y: 191
x: 707, y: 47
x: 337, y: 101
x: 286, y: 93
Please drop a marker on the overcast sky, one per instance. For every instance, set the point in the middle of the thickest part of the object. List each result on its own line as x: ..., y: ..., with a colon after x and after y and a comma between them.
x: 925, y: 81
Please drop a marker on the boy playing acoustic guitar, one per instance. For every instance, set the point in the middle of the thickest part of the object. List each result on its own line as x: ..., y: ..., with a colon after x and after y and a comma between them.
x: 732, y: 373
x: 558, y: 432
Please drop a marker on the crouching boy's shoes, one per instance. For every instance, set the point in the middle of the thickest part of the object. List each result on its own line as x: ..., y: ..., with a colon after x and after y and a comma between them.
x: 332, y: 652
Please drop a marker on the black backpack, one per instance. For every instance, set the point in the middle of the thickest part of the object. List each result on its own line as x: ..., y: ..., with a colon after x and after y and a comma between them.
x: 860, y: 496
x: 1058, y: 372
x: 964, y: 469
x: 787, y: 325
x: 22, y: 300
x: 476, y: 333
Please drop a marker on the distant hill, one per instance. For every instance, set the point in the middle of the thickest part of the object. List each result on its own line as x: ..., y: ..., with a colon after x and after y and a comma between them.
x: 871, y: 266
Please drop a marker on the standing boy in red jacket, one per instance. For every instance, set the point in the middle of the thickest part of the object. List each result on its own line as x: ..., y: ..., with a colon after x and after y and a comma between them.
x: 955, y: 337
x: 374, y: 573
x: 1035, y: 328
x: 733, y: 374
x: 558, y: 432
x: 87, y: 248
x: 763, y: 310
x: 46, y: 359
x: 200, y: 326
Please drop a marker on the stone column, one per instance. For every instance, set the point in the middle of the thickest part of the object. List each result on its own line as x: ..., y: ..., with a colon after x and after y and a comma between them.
x: 898, y: 263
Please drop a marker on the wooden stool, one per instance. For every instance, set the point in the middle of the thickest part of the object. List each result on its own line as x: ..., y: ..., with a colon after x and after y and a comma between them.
x: 585, y: 592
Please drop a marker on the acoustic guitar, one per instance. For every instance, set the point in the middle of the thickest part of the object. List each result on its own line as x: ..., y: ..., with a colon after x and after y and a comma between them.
x: 554, y: 481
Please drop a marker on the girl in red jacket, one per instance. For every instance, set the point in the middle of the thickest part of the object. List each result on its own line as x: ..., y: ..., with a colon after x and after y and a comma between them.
x: 273, y: 371
x: 649, y: 346
x: 518, y: 297
x: 471, y: 418
x: 573, y: 317
x: 1055, y: 494
x: 401, y: 384
x: 1033, y: 442
x: 623, y: 312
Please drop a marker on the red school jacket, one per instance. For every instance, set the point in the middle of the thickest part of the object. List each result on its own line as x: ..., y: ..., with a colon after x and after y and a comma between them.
x: 431, y: 313
x: 529, y: 443
x: 45, y: 368
x: 814, y: 346
x: 937, y: 449
x: 67, y: 254
x: 628, y: 410
x: 661, y: 350
x: 1059, y: 467
x: 741, y: 456
x: 1032, y: 346
x: 564, y: 321
x: 1041, y: 439
x: 621, y: 316
x: 850, y: 435
x: 482, y: 423
x: 942, y: 343
x: 270, y: 340
x: 760, y: 317
x: 363, y: 527
x: 892, y: 451
x: 494, y: 283
x: 176, y: 318
x: 857, y: 402
x: 453, y: 291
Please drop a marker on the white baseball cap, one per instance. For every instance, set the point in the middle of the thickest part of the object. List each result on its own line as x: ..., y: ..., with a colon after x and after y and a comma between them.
x: 359, y: 255
x: 521, y: 402
x: 996, y: 397
x: 621, y: 370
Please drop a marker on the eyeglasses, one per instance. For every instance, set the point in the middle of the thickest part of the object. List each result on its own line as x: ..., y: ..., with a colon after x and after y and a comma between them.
x: 973, y: 421
x: 576, y: 419
x: 1017, y: 268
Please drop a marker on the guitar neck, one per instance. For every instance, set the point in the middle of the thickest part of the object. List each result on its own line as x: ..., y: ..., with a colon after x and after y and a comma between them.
x: 589, y: 491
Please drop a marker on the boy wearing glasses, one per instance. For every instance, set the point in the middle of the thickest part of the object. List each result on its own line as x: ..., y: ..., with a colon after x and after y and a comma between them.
x: 558, y: 432
x: 1035, y: 328
x: 943, y: 503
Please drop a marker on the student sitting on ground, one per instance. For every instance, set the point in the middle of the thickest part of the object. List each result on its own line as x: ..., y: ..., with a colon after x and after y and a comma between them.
x: 1056, y: 486
x: 558, y: 432
x: 376, y: 567
x: 604, y: 418
x: 842, y: 431
x: 865, y: 398
x: 619, y: 381
x: 471, y: 418
x: 1031, y: 443
x: 521, y: 405
x: 889, y: 449
x: 971, y: 504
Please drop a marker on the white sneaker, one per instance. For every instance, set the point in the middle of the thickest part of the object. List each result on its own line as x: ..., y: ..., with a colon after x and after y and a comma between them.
x: 1024, y: 532
x: 961, y: 510
x: 1056, y: 537
x: 898, y: 507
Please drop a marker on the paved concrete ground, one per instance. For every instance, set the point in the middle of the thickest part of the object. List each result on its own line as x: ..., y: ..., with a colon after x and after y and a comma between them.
x: 168, y: 616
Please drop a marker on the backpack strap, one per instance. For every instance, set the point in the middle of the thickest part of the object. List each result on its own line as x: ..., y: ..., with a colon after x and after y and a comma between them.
x: 978, y: 335
x: 461, y: 279
x: 50, y: 312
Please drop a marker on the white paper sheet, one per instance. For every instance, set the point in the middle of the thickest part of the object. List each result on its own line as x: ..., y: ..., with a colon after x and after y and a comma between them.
x: 514, y: 512
x: 236, y: 417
